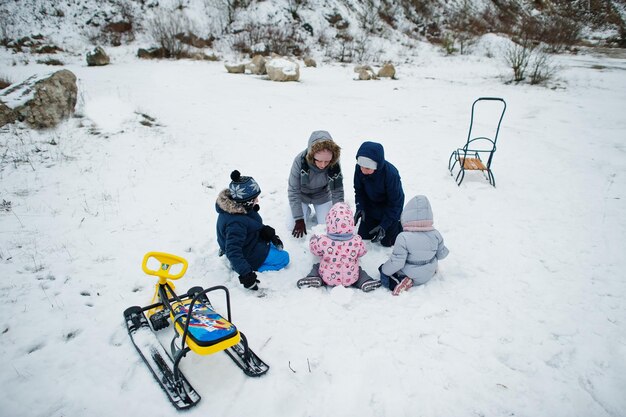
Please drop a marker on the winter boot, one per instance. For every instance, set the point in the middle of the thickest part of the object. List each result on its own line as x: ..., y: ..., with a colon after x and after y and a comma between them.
x: 404, y: 285
x: 310, y: 282
x: 370, y: 285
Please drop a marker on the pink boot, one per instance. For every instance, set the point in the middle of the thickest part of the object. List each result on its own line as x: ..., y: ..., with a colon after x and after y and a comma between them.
x: 404, y: 285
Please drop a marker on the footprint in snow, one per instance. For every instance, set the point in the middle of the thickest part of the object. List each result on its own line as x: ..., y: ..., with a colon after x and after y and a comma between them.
x: 71, y: 335
x: 35, y: 348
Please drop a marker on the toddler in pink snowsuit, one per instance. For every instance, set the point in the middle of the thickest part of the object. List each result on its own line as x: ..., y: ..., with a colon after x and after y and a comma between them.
x: 339, y: 250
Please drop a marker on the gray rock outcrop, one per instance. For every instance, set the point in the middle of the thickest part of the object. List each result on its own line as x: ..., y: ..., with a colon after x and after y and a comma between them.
x: 257, y: 65
x: 282, y: 69
x: 41, y: 101
x: 387, y: 71
x: 97, y: 57
x: 235, y: 68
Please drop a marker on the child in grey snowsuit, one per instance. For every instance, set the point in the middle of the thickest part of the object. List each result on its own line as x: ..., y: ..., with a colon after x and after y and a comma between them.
x: 417, y: 249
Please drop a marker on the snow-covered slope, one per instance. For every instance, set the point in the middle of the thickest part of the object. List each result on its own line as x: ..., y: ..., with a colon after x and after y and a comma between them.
x: 526, y: 316
x: 378, y: 25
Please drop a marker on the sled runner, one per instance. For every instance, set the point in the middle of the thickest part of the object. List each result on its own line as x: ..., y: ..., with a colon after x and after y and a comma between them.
x: 469, y: 156
x: 197, y: 327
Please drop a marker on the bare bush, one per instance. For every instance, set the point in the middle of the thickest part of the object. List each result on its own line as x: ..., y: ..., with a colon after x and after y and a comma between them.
x: 269, y: 38
x: 560, y: 32
x: 5, y: 32
x: 166, y: 29
x: 388, y: 13
x: 293, y: 6
x: 541, y: 68
x: 530, y: 61
x: 466, y: 25
x: 342, y: 49
x: 4, y: 82
x: 517, y: 56
x: 368, y: 18
x: 228, y: 8
x: 418, y: 10
x: 447, y: 43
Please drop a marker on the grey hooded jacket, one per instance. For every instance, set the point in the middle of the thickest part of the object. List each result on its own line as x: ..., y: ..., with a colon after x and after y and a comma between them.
x: 317, y: 190
x: 419, y: 247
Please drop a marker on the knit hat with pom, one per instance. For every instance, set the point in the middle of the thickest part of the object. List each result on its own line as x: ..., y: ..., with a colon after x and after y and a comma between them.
x: 243, y: 189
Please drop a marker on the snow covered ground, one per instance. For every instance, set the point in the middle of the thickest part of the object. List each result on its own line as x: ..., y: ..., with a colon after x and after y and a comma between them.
x: 527, y: 316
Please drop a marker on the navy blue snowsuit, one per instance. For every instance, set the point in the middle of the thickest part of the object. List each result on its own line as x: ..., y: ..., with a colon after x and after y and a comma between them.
x: 379, y: 195
x: 238, y: 235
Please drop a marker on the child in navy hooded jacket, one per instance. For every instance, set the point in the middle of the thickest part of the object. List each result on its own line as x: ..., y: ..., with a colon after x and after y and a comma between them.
x: 378, y: 195
x: 248, y: 244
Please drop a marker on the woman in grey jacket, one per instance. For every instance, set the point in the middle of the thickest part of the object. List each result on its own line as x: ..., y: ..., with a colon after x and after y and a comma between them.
x: 417, y: 249
x: 315, y: 180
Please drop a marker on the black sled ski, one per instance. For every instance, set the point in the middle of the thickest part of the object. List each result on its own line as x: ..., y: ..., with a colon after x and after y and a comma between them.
x: 179, y: 391
x: 246, y: 359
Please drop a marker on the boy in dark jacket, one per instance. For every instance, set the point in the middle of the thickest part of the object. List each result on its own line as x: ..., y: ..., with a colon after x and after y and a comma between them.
x: 378, y: 195
x: 248, y: 244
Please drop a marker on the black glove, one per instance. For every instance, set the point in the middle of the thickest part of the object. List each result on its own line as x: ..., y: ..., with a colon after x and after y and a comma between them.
x: 299, y: 229
x: 277, y: 242
x: 267, y: 233
x: 249, y: 281
x: 359, y: 214
x: 379, y: 233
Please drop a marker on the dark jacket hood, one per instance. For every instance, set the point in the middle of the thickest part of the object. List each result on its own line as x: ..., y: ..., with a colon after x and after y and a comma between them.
x: 373, y: 151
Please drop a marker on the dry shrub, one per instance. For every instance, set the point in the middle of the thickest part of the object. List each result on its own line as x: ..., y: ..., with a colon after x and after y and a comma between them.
x: 4, y: 82
x: 560, y: 33
x: 465, y: 24
x: 388, y: 15
x: 269, y: 38
x: 165, y: 30
x: 418, y: 10
x: 117, y: 33
x: 541, y: 68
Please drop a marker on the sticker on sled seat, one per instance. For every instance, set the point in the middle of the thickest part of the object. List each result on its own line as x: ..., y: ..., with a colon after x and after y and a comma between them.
x: 209, y: 332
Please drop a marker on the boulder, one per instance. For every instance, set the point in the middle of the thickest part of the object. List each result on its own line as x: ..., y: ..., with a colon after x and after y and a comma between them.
x: 282, y: 69
x: 7, y: 114
x: 309, y: 62
x: 41, y: 101
x: 235, y: 68
x: 151, y: 53
x: 359, y: 68
x: 257, y: 65
x: 387, y: 71
x: 366, y: 74
x: 97, y: 57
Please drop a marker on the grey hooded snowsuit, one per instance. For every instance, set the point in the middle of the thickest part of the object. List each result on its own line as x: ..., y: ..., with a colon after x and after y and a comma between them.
x: 419, y: 246
x: 314, y: 185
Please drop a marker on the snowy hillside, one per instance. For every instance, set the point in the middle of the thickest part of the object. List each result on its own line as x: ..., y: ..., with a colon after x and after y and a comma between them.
x: 376, y: 29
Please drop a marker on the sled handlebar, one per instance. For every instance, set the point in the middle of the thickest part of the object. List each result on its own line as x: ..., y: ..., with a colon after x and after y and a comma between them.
x: 167, y: 261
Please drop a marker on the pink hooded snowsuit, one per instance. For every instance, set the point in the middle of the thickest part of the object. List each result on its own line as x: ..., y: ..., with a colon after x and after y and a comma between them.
x: 339, y: 249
